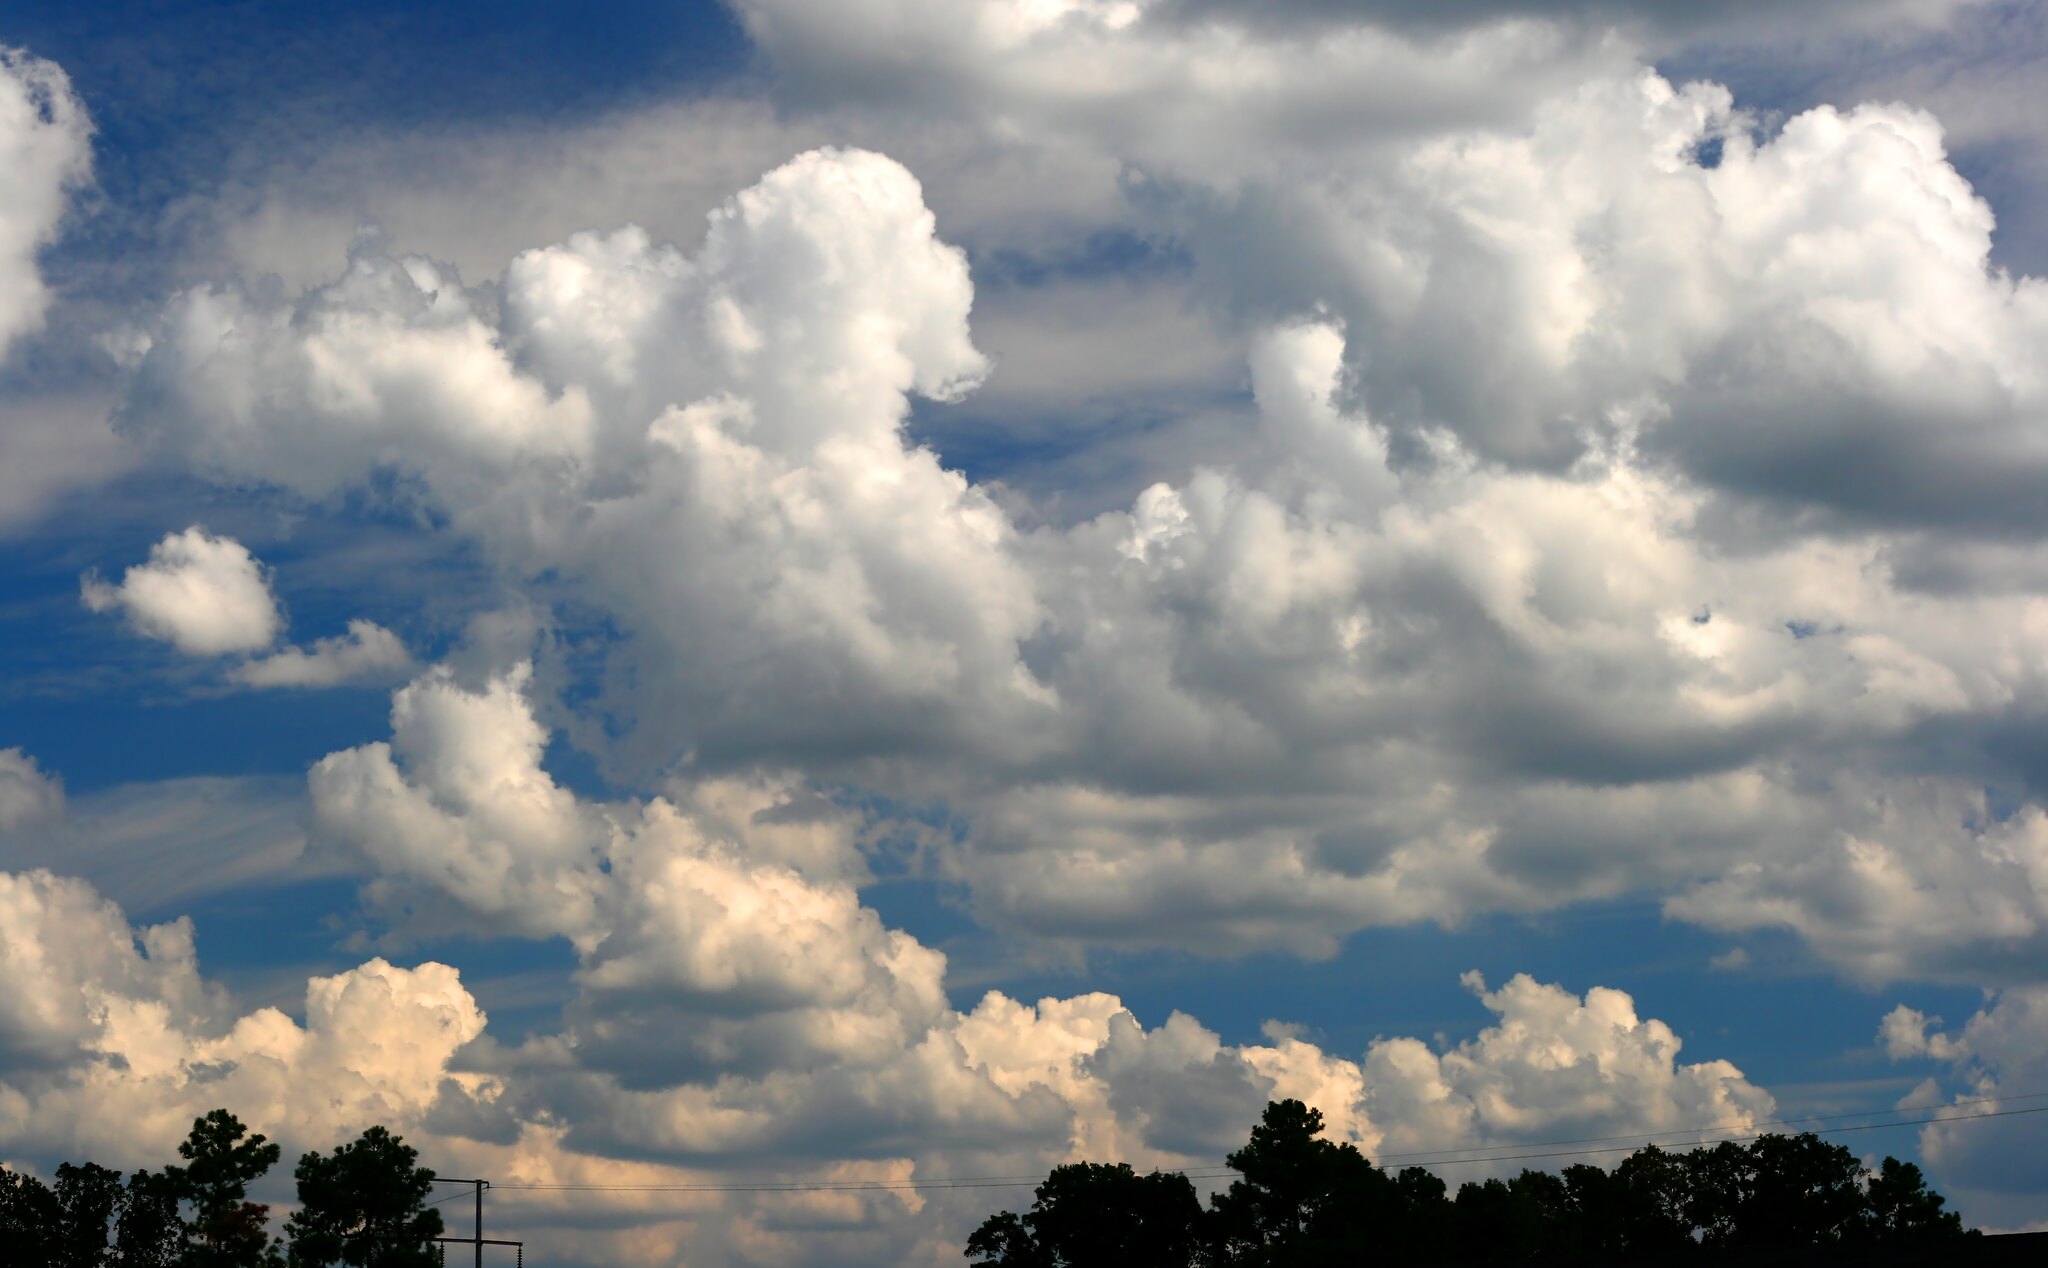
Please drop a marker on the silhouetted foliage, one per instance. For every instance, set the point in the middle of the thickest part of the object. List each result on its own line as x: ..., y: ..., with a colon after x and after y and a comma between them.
x: 1088, y: 1215
x: 149, y: 1233
x: 225, y: 1229
x: 62, y: 1226
x: 88, y: 1199
x: 29, y: 1217
x: 364, y: 1206
x: 1651, y: 1195
x: 1303, y: 1200
x: 1901, y: 1208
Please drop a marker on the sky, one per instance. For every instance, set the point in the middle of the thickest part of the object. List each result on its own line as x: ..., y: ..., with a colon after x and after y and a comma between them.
x: 872, y: 597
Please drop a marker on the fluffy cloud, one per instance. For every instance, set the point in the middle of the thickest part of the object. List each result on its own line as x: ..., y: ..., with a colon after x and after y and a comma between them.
x: 203, y: 594
x: 113, y: 1042
x: 1998, y: 1054
x: 45, y: 149
x: 1531, y: 237
x: 682, y: 930
x: 67, y: 951
x: 703, y: 958
x: 1393, y: 664
x: 1555, y: 1062
x: 367, y: 653
x: 478, y: 820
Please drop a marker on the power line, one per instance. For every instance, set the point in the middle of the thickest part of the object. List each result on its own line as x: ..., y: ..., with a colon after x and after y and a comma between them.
x: 1216, y: 1173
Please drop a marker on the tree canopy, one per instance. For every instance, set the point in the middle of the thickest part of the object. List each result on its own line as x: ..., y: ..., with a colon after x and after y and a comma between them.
x: 364, y: 1205
x: 1301, y: 1199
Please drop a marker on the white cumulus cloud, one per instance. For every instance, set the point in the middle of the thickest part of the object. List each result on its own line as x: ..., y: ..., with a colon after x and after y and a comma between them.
x: 1393, y: 663
x: 203, y: 594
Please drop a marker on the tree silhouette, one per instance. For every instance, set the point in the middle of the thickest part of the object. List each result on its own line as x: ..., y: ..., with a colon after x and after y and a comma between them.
x: 1650, y: 1215
x: 1901, y: 1208
x: 149, y: 1233
x: 29, y: 1216
x: 1092, y: 1215
x: 365, y: 1205
x: 226, y: 1230
x: 1301, y: 1200
x: 1803, y: 1191
x: 62, y: 1225
x: 89, y: 1196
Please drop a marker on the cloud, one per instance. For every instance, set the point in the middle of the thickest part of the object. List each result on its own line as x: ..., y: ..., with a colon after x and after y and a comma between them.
x: 367, y: 653
x: 203, y: 594
x: 1990, y: 1167
x: 45, y: 149
x: 111, y: 1041
x: 1555, y: 1062
x: 472, y: 814
x: 156, y: 845
x: 115, y: 1043
x: 1733, y: 20
x: 1372, y: 672
x: 734, y: 1002
x: 744, y: 406
x: 53, y: 447
x: 694, y: 948
x: 28, y: 797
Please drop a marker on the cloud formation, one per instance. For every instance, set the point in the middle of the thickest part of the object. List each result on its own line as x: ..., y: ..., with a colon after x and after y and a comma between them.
x: 114, y: 1041
x: 367, y: 653
x: 1393, y: 665
x: 205, y: 595
x: 45, y: 149
x: 1997, y: 1063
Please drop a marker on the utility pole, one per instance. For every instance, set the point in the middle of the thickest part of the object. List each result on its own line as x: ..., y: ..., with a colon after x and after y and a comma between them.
x: 479, y: 1240
x: 481, y: 1185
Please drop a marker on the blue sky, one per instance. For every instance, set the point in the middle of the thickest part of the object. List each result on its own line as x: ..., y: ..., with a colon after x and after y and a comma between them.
x: 1223, y: 523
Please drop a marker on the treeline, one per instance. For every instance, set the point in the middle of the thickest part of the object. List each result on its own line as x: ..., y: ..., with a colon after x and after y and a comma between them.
x: 1303, y: 1201
x: 364, y: 1204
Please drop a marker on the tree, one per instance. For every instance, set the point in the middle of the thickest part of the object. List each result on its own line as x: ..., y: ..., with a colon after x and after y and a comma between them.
x: 1716, y: 1183
x: 1306, y: 1202
x: 1652, y: 1192
x: 1301, y: 1200
x: 226, y: 1229
x: 1593, y: 1205
x: 364, y: 1206
x: 1095, y: 1215
x: 1420, y: 1226
x: 62, y: 1225
x: 1900, y: 1208
x: 88, y: 1197
x: 29, y: 1217
x: 1005, y: 1241
x: 149, y: 1233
